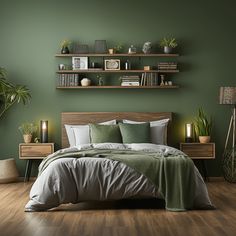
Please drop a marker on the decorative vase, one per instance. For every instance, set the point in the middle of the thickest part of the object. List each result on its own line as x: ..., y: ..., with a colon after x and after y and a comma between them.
x: 167, y: 49
x: 229, y: 165
x: 65, y: 50
x: 27, y: 138
x: 85, y: 82
x: 147, y: 46
x: 204, y: 139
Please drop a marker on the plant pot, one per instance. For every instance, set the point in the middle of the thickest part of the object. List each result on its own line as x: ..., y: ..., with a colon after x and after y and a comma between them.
x: 65, y: 50
x: 167, y: 50
x: 27, y: 138
x: 204, y: 139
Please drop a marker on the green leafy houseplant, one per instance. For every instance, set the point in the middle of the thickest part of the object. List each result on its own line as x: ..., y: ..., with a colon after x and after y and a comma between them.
x: 10, y: 93
x: 203, y: 124
x: 168, y: 42
x: 28, y: 129
x: 65, y: 43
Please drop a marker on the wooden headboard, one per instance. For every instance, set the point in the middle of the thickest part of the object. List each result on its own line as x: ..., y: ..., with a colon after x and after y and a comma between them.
x: 82, y: 118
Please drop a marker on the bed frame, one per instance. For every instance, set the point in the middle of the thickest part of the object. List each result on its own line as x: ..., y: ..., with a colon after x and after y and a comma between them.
x: 82, y: 118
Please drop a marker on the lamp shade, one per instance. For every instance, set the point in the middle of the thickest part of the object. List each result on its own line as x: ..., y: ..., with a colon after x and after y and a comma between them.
x: 227, y: 95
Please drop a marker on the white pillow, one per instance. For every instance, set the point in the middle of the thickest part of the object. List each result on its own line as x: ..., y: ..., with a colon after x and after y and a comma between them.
x: 158, y: 130
x: 79, y: 134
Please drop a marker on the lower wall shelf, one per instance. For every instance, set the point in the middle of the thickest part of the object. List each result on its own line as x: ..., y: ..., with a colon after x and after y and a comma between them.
x: 120, y: 87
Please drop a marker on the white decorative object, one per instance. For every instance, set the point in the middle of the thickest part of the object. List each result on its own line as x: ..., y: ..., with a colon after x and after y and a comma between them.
x: 85, y: 82
x: 79, y: 63
x: 147, y: 46
x: 112, y: 64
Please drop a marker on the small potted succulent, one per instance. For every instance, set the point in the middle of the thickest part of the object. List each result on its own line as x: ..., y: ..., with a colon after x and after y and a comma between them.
x: 168, y: 44
x: 65, y: 46
x: 28, y: 129
x: 118, y: 48
x: 203, y: 126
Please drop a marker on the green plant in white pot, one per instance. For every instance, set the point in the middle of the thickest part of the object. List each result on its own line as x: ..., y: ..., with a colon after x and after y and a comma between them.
x: 28, y: 129
x: 203, y: 126
x: 168, y: 44
x: 10, y: 93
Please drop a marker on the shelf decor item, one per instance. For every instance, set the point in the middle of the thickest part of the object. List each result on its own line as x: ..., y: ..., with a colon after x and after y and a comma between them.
x: 147, y: 46
x: 228, y: 97
x: 203, y: 126
x: 65, y: 46
x: 112, y: 64
x: 100, y: 46
x: 189, y: 133
x: 85, y: 82
x: 81, y: 48
x: 44, y: 131
x: 80, y: 63
x: 132, y: 50
x: 168, y: 44
x: 27, y: 130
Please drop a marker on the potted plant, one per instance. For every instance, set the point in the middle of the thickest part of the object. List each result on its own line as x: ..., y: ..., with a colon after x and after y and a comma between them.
x: 65, y: 46
x: 118, y: 48
x: 168, y: 44
x: 11, y: 94
x: 28, y: 129
x: 203, y: 126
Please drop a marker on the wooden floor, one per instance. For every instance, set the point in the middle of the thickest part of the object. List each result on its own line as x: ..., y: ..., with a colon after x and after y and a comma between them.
x: 125, y: 218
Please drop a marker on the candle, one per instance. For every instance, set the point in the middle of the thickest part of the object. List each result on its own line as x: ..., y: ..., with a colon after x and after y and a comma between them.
x: 44, y: 131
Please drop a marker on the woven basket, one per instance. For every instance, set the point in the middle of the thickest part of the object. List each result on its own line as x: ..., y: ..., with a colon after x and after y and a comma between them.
x: 8, y: 171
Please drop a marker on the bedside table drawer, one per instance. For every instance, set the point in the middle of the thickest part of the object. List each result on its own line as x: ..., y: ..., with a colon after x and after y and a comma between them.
x: 199, y: 150
x: 27, y: 151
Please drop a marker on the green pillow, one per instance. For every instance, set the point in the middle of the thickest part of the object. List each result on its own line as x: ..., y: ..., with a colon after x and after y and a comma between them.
x: 135, y: 133
x: 105, y: 133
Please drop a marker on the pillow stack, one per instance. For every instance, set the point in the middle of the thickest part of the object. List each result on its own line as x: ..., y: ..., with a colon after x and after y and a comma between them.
x: 126, y: 132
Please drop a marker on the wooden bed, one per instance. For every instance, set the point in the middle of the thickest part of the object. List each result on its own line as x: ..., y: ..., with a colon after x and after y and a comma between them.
x: 82, y: 118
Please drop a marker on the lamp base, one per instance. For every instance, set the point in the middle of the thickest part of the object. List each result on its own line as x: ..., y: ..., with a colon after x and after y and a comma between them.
x: 188, y: 140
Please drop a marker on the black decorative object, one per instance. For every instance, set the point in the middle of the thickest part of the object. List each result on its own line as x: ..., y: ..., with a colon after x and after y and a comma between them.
x: 100, y: 46
x: 44, y: 131
x: 65, y: 50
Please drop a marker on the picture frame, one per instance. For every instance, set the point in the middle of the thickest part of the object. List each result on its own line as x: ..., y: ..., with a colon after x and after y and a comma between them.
x: 112, y: 64
x: 80, y: 63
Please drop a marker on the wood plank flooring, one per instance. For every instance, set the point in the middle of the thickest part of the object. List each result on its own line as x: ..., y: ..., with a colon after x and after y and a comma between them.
x: 142, y: 218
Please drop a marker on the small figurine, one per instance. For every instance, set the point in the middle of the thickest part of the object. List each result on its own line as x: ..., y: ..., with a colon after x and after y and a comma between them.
x: 100, y: 80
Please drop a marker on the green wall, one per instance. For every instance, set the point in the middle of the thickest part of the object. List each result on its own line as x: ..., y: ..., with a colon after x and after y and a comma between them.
x: 31, y: 32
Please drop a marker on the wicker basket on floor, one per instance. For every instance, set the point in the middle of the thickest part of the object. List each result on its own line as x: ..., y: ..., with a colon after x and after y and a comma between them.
x: 8, y: 171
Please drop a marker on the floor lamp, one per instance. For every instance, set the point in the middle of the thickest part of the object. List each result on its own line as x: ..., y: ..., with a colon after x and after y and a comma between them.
x: 228, y: 97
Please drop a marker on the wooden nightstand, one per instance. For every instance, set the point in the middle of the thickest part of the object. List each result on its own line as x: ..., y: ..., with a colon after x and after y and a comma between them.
x: 199, y: 151
x: 33, y: 151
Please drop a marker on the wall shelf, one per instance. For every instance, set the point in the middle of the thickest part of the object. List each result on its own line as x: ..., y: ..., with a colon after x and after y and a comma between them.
x: 117, y: 55
x: 119, y: 87
x: 114, y: 71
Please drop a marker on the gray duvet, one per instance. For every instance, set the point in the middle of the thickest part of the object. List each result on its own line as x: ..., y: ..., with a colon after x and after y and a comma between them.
x: 72, y: 180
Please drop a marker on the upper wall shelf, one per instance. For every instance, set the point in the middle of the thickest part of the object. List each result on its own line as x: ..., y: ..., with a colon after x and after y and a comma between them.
x: 118, y: 55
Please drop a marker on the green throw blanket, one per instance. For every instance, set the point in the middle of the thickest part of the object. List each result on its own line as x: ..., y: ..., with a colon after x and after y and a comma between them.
x: 172, y: 175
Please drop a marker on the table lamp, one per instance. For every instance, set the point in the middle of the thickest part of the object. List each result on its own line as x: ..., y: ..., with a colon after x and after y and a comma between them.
x: 44, y: 131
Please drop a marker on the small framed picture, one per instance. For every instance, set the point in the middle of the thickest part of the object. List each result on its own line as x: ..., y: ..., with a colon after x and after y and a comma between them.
x: 79, y: 63
x: 112, y: 64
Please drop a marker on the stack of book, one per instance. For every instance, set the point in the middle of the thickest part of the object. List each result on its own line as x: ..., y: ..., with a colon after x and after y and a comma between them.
x: 67, y: 80
x: 167, y: 66
x: 132, y: 80
x: 149, y: 79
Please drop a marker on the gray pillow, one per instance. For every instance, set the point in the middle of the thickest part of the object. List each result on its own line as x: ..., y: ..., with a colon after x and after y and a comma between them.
x: 105, y: 133
x: 135, y: 133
